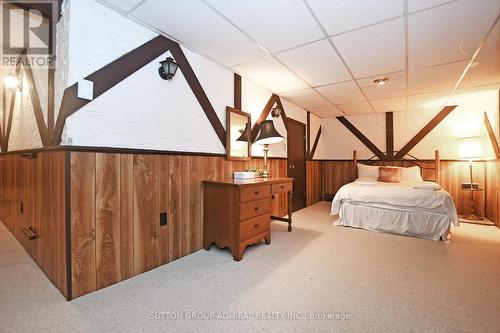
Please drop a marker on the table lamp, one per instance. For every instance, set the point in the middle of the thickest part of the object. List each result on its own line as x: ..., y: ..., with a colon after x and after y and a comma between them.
x: 471, y: 149
x: 268, y: 135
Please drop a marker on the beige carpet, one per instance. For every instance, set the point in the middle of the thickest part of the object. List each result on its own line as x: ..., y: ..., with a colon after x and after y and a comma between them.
x: 381, y: 282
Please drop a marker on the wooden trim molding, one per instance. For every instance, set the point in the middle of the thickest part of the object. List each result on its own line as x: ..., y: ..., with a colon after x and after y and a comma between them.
x: 315, y: 145
x: 357, y: 133
x: 389, y: 134
x: 424, y: 131
x: 491, y: 134
x: 237, y: 91
x: 263, y: 115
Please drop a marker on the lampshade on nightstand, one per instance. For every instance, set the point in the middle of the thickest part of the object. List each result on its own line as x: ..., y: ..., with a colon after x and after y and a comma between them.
x: 471, y: 149
x: 267, y: 135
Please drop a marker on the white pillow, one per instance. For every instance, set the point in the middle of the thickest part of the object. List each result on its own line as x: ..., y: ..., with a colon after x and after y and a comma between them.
x: 411, y: 174
x: 367, y: 171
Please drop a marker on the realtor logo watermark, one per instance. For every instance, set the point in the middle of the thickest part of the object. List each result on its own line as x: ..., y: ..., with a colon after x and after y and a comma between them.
x: 27, y: 33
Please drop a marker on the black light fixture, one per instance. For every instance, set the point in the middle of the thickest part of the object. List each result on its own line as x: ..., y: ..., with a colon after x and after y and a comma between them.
x: 168, y: 68
x: 245, y: 134
x: 268, y: 135
x: 276, y: 111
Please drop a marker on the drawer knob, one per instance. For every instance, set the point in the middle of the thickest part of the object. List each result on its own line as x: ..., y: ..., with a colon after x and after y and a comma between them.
x: 256, y: 226
x: 256, y: 208
x: 282, y: 186
x: 257, y: 192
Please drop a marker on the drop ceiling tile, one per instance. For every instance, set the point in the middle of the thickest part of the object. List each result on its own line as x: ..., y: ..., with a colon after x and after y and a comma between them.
x: 274, y: 24
x: 487, y: 65
x: 123, y: 5
x: 327, y: 112
x: 271, y: 74
x: 435, y: 79
x: 389, y: 104
x: 356, y: 108
x: 316, y: 63
x: 426, y: 101
x: 396, y: 86
x: 306, y: 98
x: 449, y: 33
x: 374, y: 50
x: 199, y: 27
x: 339, y: 16
x: 416, y: 5
x: 342, y: 93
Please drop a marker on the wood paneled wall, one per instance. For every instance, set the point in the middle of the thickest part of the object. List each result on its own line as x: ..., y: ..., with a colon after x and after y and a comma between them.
x: 493, y: 191
x: 313, y: 182
x: 38, y: 185
x: 116, y: 202
x: 453, y: 173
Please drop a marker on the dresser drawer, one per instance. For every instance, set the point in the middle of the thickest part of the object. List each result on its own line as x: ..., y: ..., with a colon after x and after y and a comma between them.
x: 283, y: 187
x: 254, y: 193
x: 255, y: 208
x: 254, y: 227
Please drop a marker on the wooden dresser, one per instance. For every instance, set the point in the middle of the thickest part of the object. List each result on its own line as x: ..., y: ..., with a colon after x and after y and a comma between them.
x: 237, y: 213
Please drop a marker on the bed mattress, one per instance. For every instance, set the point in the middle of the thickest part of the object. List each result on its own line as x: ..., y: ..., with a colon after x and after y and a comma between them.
x: 412, y: 209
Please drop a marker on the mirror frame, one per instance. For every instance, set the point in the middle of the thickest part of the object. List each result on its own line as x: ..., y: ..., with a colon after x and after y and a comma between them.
x: 230, y: 110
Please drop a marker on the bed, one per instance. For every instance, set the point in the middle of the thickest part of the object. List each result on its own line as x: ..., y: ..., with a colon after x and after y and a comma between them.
x: 411, y: 207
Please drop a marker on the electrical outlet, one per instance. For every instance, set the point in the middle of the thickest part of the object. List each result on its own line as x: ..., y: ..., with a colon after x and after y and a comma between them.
x: 163, y: 219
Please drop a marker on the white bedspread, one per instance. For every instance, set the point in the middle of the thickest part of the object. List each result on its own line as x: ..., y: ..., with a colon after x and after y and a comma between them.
x: 406, y: 196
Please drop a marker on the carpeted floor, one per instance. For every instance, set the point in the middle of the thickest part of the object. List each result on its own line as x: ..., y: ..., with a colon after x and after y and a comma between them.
x: 373, y: 283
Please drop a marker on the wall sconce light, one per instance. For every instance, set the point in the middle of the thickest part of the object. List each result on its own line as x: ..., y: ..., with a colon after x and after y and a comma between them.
x: 276, y: 111
x: 168, y: 68
x: 12, y: 81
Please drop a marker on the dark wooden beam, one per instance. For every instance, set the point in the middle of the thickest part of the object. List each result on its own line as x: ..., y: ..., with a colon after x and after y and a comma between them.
x: 50, y: 85
x: 37, y: 106
x: 315, y: 145
x: 197, y: 90
x: 357, y: 133
x: 115, y: 72
x: 237, y: 91
x: 308, y: 138
x: 283, y: 113
x: 424, y: 131
x: 110, y: 75
x: 263, y: 115
x: 389, y: 134
x: 491, y: 133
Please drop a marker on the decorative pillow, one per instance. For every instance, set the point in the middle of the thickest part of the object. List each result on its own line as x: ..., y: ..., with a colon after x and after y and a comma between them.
x: 367, y: 171
x: 411, y: 174
x: 389, y: 175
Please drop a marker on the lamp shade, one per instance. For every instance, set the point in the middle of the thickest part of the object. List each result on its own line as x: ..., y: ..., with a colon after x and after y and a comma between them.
x: 470, y: 148
x: 245, y: 134
x: 268, y: 134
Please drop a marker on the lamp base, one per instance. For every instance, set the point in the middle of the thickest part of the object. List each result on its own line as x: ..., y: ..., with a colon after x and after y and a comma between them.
x: 473, y: 217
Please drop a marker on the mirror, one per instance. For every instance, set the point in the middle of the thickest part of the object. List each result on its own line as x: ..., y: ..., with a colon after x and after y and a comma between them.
x: 238, y: 129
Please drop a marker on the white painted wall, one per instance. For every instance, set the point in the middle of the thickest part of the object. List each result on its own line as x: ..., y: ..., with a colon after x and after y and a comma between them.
x: 145, y: 111
x: 337, y: 142
x: 24, y: 132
